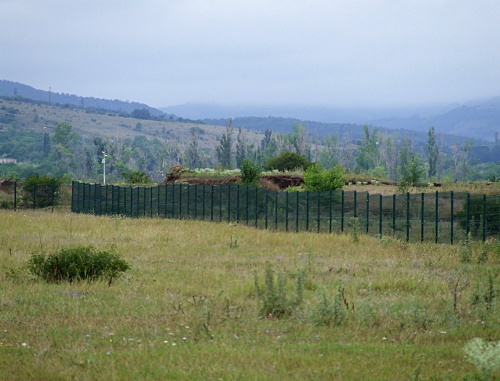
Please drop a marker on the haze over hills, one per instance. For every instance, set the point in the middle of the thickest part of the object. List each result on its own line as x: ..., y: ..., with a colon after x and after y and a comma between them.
x: 476, y: 120
x: 480, y: 120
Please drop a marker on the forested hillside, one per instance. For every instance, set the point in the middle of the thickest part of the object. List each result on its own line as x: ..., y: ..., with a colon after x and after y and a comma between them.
x: 70, y: 141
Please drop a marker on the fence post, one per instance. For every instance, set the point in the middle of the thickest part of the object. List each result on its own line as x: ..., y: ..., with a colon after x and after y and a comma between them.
x: 150, y: 201
x: 297, y: 213
x: 138, y: 191
x: 228, y: 202
x: 247, y: 188
x: 34, y: 196
x: 342, y: 212
x: 286, y: 212
x: 330, y: 202
x: 265, y: 210
x: 220, y: 202
x: 422, y: 219
x: 276, y: 212
x: 307, y: 211
x: 238, y: 203
x: 180, y: 201
x: 15, y: 196
x: 367, y: 212
x: 394, y: 214
x: 188, y: 199
x: 468, y: 218
x: 437, y: 216
x: 407, y: 216
x: 256, y: 205
x: 212, y: 204
x: 484, y: 217
x: 380, y: 215
x: 452, y: 214
x: 355, y: 206
x: 203, y: 202
x: 318, y: 210
x: 157, y: 200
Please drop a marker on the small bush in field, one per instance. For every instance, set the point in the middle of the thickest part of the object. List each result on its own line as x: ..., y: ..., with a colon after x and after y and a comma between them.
x: 79, y: 263
x: 274, y: 299
x: 250, y: 172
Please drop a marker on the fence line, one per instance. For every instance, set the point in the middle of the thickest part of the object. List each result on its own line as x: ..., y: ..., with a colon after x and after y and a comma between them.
x: 438, y: 217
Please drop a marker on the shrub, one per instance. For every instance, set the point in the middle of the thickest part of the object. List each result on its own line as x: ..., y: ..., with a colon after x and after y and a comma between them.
x: 287, y: 161
x: 328, y: 313
x: 42, y: 190
x: 274, y: 299
x: 250, y: 172
x: 320, y: 181
x: 79, y: 263
x: 136, y: 177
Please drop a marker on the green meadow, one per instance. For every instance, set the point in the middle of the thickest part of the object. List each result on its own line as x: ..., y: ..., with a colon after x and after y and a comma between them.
x: 218, y: 301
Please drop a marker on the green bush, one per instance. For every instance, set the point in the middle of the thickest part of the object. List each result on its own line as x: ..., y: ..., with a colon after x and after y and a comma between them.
x: 79, y: 263
x: 42, y: 190
x: 250, y: 172
x: 136, y: 177
x: 275, y: 303
x: 287, y: 161
x: 320, y: 181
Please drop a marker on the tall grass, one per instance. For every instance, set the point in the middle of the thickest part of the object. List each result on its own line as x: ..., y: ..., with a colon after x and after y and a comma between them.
x: 188, y: 307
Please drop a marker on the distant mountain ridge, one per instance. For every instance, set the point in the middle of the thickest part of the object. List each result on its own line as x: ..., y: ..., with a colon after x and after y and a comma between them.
x: 480, y: 121
x: 15, y: 89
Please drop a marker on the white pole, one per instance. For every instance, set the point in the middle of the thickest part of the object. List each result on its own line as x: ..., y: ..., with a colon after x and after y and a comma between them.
x: 104, y: 162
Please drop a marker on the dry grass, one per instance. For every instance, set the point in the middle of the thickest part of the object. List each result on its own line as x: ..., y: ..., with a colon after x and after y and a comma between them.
x: 187, y: 309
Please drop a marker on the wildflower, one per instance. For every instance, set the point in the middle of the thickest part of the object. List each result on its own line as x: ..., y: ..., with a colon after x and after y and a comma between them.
x: 24, y: 344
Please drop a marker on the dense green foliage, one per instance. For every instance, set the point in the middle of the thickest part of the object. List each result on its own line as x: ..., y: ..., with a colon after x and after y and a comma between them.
x: 318, y: 180
x: 287, y: 161
x: 79, y: 263
x: 136, y: 177
x: 250, y: 172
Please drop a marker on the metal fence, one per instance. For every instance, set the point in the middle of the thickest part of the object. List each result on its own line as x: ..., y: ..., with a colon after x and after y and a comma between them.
x: 15, y: 195
x: 439, y: 217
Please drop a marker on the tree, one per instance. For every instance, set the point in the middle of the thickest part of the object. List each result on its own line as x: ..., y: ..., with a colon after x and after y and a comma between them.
x: 224, y: 154
x: 432, y: 153
x: 192, y: 153
x: 63, y: 135
x: 368, y: 154
x: 411, y: 170
x: 329, y: 154
x: 287, y: 161
x: 460, y: 158
x: 241, y: 148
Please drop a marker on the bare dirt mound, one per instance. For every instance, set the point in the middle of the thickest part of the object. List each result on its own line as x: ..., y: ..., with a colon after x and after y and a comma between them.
x: 276, y: 181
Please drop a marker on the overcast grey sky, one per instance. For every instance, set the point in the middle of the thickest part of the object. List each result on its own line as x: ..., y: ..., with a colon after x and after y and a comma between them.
x: 316, y: 52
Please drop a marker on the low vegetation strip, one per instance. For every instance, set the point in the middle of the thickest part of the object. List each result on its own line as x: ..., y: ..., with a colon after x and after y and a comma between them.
x: 217, y: 301
x: 440, y: 217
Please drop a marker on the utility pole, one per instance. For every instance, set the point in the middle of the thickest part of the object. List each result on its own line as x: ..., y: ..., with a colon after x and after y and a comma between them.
x: 104, y: 162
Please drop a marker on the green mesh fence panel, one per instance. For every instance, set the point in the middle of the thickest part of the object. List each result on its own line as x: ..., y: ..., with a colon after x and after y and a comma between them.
x: 437, y: 217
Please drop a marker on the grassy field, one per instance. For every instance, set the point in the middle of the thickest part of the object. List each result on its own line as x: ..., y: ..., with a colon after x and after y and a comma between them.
x: 189, y: 306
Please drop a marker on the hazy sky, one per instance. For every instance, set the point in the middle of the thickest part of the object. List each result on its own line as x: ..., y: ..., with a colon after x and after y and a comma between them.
x: 315, y: 52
